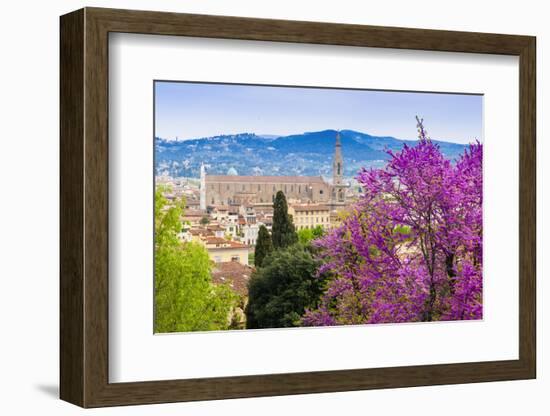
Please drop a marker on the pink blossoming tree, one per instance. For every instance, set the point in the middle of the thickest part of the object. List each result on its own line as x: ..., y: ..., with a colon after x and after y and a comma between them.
x: 411, y: 248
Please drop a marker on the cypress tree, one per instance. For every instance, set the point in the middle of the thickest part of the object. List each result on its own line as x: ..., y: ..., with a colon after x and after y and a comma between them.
x: 264, y: 246
x: 282, y: 289
x: 283, y: 233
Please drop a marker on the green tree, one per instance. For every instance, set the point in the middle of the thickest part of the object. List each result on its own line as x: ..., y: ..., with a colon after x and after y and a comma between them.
x: 205, y: 220
x: 185, y: 298
x: 264, y: 246
x: 280, y: 291
x: 283, y: 233
x: 318, y: 232
x: 306, y: 235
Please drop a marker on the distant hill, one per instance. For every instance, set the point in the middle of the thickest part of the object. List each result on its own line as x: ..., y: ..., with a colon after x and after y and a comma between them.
x: 298, y: 154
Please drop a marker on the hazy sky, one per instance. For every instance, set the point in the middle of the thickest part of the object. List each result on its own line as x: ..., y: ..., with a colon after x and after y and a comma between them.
x: 194, y: 110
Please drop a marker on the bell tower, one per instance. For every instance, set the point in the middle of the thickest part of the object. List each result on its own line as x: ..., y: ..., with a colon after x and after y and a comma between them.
x: 338, y: 186
x: 337, y: 162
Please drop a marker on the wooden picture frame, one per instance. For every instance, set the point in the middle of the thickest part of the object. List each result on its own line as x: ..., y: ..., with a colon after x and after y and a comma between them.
x: 84, y: 207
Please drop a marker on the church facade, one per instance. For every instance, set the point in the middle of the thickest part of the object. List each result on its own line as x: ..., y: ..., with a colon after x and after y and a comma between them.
x: 239, y: 190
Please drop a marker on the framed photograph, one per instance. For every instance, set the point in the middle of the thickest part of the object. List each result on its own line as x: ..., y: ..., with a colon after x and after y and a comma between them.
x: 255, y: 207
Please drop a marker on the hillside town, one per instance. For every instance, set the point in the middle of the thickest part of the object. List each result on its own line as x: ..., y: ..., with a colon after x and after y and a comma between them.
x: 260, y: 222
x: 224, y: 212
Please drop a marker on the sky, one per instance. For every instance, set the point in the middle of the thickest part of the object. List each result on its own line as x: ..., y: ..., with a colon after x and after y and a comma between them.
x: 195, y: 110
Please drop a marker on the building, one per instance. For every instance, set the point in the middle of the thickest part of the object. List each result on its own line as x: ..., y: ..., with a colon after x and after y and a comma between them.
x: 202, y: 190
x: 193, y: 217
x: 250, y: 234
x: 217, y: 229
x: 234, y: 274
x: 249, y: 213
x: 245, y: 190
x: 228, y: 190
x: 222, y: 250
x: 338, y: 196
x: 310, y: 216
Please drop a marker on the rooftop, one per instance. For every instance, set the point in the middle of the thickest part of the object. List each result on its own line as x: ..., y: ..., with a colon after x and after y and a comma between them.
x: 310, y: 207
x: 224, y: 243
x: 235, y: 274
x: 216, y: 227
x: 200, y: 232
x: 265, y: 179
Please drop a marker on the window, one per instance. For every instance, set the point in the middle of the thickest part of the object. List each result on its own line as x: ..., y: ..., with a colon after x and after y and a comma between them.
x: 321, y: 191
x: 235, y: 258
x: 259, y: 187
x: 243, y: 186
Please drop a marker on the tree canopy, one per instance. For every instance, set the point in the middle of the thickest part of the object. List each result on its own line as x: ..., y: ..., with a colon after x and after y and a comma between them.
x: 306, y: 235
x: 264, y: 246
x: 281, y: 290
x: 411, y: 249
x: 283, y: 233
x: 185, y: 298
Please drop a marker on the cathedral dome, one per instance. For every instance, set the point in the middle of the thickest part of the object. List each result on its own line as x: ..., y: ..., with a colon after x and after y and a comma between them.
x: 232, y: 172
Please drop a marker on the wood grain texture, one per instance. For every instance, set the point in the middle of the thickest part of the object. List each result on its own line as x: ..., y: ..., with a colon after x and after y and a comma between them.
x: 527, y: 207
x: 71, y: 213
x: 84, y: 205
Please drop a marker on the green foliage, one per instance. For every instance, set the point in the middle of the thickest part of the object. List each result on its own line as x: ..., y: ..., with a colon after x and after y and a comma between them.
x: 205, y: 220
x: 283, y: 233
x: 185, y: 298
x: 281, y: 290
x: 402, y: 229
x: 264, y: 246
x: 306, y: 235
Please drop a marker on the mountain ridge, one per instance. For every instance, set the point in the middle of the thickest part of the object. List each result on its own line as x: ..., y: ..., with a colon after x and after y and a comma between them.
x: 308, y: 153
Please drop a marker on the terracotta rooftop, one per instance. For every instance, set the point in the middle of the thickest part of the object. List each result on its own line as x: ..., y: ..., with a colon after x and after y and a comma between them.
x: 226, y: 243
x: 233, y: 273
x: 310, y: 208
x: 192, y: 215
x: 200, y: 231
x: 216, y: 227
x: 264, y: 179
x: 216, y: 240
x: 236, y: 244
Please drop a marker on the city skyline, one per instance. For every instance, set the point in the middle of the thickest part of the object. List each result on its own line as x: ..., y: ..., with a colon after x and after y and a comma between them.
x: 195, y: 110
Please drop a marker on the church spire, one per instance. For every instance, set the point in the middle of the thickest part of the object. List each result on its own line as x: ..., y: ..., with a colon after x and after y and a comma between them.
x: 337, y: 163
